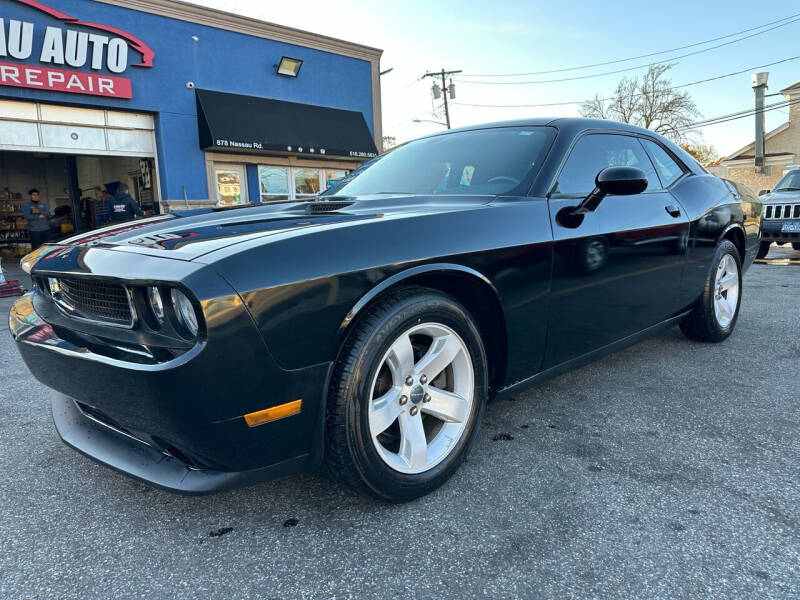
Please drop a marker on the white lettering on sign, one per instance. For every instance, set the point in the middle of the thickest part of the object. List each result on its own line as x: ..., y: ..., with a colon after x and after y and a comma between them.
x: 237, y: 144
x: 59, y: 47
x: 52, y: 47
x: 98, y: 42
x: 117, y: 55
x: 75, y: 50
x: 19, y: 42
x: 32, y: 77
x: 9, y: 74
x: 64, y: 81
x: 54, y: 78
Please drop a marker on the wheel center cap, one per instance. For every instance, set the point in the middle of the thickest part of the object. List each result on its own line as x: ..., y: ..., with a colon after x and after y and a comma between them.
x: 417, y: 394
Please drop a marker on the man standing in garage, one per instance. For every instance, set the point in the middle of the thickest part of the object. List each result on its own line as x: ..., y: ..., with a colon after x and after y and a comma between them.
x: 123, y: 206
x: 37, y: 213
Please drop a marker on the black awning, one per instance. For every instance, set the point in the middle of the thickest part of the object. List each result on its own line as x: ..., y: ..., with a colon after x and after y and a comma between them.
x: 247, y: 124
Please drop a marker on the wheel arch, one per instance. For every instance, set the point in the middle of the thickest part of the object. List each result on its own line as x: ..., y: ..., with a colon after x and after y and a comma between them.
x: 735, y: 234
x: 469, y: 287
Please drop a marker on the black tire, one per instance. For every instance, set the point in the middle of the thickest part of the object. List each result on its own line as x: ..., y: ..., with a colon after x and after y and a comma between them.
x: 350, y: 454
x: 763, y: 249
x: 701, y: 324
x: 796, y: 246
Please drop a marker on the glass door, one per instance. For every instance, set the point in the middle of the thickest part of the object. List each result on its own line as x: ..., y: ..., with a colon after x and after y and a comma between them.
x: 231, y: 184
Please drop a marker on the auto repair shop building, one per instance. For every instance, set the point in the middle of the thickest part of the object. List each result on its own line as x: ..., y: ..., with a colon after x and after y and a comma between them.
x: 188, y: 105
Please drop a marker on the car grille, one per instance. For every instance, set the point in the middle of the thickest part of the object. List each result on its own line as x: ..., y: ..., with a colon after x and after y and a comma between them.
x: 93, y: 300
x: 782, y: 211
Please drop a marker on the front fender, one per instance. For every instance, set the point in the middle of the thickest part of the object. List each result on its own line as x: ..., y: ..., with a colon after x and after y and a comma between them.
x: 406, y: 275
x: 303, y: 289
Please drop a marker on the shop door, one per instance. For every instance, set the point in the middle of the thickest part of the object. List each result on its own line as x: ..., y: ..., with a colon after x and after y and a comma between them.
x: 231, y: 184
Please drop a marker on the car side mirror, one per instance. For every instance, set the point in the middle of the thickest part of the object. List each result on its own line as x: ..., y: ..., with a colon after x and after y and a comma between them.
x: 613, y: 181
x: 762, y: 192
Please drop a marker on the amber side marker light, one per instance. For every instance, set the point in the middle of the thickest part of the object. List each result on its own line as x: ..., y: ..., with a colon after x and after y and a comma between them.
x: 274, y: 413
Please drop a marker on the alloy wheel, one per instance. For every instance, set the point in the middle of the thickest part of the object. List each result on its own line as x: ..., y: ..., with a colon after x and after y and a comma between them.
x: 726, y: 290
x: 421, y: 398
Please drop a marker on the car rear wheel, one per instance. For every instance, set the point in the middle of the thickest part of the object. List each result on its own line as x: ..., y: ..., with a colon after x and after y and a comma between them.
x: 406, y: 396
x: 763, y: 250
x: 714, y: 316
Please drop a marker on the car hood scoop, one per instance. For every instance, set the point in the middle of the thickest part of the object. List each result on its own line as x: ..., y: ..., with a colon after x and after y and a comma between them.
x: 314, y: 208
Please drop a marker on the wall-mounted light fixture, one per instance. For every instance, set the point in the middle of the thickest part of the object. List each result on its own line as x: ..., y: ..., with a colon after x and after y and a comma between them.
x: 289, y: 66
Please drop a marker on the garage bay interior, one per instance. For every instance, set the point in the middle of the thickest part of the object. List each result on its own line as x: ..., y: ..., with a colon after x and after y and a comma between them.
x: 75, y: 157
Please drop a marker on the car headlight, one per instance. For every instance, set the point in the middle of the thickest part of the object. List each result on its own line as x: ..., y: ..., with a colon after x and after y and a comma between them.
x: 26, y: 262
x: 155, y: 302
x: 185, y: 311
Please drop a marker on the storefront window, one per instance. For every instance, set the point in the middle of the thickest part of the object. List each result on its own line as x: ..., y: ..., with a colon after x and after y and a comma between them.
x: 273, y: 183
x: 333, y: 175
x: 276, y: 183
x: 306, y: 182
x: 229, y: 186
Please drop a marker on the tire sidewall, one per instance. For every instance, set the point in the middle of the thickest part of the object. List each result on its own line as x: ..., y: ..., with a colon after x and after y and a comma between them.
x: 377, y: 475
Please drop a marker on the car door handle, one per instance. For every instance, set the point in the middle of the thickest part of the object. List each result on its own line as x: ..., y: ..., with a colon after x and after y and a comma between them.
x: 673, y: 210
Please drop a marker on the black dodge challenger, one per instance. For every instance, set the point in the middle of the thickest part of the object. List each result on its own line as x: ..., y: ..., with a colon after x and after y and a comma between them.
x: 365, y: 330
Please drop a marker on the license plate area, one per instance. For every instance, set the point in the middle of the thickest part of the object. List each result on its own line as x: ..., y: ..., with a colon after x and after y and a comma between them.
x: 791, y: 227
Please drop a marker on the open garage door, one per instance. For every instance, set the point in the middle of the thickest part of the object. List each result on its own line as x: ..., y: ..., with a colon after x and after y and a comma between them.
x: 76, y: 158
x: 35, y: 127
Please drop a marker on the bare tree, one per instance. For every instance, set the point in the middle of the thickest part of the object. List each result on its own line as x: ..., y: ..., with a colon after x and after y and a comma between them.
x: 703, y: 153
x: 649, y: 102
x: 389, y: 141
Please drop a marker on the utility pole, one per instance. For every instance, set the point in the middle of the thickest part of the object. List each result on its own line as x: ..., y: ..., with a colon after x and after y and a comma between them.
x: 445, y: 90
x: 759, y: 87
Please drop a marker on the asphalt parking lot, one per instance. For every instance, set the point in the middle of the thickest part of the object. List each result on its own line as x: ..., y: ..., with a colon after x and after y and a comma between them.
x: 668, y: 470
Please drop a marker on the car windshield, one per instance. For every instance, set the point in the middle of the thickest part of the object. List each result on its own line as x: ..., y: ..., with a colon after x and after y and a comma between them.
x: 480, y: 162
x: 790, y: 182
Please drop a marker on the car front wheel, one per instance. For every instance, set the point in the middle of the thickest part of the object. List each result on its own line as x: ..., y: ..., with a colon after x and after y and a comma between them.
x: 406, y: 396
x: 714, y: 316
x: 763, y: 250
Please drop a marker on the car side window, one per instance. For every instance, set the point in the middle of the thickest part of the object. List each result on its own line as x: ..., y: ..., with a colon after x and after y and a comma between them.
x: 668, y: 169
x: 597, y: 151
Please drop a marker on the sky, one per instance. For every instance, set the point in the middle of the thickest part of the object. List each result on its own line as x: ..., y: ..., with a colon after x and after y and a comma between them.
x: 501, y: 37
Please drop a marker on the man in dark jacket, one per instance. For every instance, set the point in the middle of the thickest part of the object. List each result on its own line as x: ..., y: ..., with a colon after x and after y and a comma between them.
x: 123, y: 206
x: 37, y: 213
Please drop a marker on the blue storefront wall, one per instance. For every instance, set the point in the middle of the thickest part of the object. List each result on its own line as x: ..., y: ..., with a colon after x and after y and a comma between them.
x: 208, y: 57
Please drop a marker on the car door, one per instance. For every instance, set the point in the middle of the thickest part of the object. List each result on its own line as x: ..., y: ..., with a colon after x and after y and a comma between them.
x: 616, y: 272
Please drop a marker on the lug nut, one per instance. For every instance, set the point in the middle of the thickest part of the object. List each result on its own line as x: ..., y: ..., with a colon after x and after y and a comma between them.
x: 414, y: 410
x: 426, y: 398
x: 423, y: 379
x: 409, y: 380
x: 403, y: 400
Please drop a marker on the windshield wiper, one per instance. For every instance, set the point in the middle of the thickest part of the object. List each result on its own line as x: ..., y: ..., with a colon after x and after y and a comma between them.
x: 789, y: 189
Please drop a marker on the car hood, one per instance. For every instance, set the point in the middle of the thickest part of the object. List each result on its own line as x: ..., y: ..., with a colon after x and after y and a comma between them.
x: 780, y: 197
x: 187, y: 235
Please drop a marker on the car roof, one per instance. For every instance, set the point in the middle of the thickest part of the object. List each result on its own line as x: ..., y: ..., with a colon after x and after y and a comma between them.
x: 572, y: 126
x: 565, y: 124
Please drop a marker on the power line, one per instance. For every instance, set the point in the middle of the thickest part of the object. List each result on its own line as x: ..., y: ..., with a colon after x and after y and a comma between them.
x: 744, y: 112
x: 611, y: 62
x: 577, y: 77
x: 741, y: 115
x: 683, y: 85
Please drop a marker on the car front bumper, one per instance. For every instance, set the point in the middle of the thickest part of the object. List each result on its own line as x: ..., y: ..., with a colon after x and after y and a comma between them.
x: 179, y: 425
x: 771, y: 231
x: 122, y: 452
